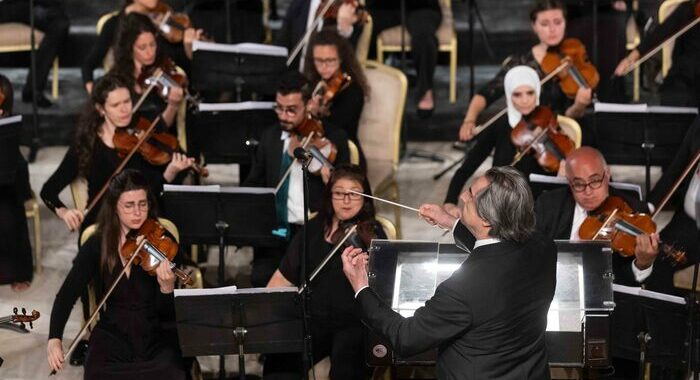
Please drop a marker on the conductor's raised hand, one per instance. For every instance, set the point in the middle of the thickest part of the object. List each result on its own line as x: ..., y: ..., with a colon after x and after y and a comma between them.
x: 166, y: 277
x: 435, y: 215
x: 355, y: 267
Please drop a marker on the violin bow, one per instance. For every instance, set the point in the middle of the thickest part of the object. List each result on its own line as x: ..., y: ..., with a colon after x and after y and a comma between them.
x: 304, y: 143
x: 305, y: 39
x: 677, y: 184
x: 100, y: 305
x: 523, y: 152
x: 148, y: 91
x: 329, y: 256
x: 122, y: 164
x: 565, y: 63
x: 660, y: 46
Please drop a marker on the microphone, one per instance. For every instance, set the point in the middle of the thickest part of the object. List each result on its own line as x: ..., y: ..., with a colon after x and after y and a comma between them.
x: 320, y: 157
x: 301, y: 154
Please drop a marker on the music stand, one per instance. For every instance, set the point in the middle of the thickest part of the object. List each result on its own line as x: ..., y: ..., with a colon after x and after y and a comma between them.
x: 637, y: 134
x: 247, y: 68
x: 238, y: 321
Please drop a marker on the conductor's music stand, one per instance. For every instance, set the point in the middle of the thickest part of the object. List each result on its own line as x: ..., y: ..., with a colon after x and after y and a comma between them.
x: 238, y: 321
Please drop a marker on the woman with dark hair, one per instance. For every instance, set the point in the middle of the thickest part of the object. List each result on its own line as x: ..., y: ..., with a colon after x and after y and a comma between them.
x: 331, y: 56
x: 93, y: 154
x: 336, y: 328
x: 138, y: 51
x: 129, y: 339
x: 15, y: 249
x: 548, y: 20
x: 181, y: 53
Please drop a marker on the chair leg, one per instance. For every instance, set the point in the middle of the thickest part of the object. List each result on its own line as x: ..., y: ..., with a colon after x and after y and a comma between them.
x: 453, y: 72
x: 380, y: 52
x: 54, y: 80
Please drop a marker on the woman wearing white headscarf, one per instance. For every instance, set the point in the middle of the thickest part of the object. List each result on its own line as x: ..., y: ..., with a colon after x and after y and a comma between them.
x: 522, y: 89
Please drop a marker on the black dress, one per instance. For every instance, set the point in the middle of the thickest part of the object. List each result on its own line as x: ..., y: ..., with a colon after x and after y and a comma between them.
x: 498, y: 134
x: 345, y: 111
x: 15, y: 249
x: 131, y: 339
x: 105, y: 161
x: 335, y: 324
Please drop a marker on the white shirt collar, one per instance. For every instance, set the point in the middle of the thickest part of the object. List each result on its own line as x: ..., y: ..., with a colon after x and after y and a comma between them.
x: 482, y: 242
x: 284, y: 135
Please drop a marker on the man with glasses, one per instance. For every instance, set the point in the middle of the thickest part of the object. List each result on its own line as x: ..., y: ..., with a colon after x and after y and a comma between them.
x: 274, y: 155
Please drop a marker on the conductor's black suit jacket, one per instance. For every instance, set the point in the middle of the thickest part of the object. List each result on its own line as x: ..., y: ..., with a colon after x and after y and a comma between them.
x: 488, y: 319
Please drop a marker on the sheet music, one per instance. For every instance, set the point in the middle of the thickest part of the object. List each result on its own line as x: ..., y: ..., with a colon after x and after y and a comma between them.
x: 10, y: 120
x: 232, y: 290
x: 619, y: 107
x: 556, y: 180
x: 242, y: 106
x: 636, y: 291
x: 244, y: 48
x: 218, y: 189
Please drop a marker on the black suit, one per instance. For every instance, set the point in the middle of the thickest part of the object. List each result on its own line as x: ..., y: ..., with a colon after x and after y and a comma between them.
x: 488, y: 319
x: 265, y: 172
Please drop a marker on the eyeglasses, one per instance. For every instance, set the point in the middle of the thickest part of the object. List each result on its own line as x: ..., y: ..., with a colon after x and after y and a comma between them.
x: 340, y: 195
x: 291, y: 111
x: 325, y: 61
x: 580, y: 186
x: 130, y: 207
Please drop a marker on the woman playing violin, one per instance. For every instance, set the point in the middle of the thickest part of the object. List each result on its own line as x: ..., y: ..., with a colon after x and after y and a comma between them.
x: 93, y: 154
x: 180, y: 52
x: 138, y: 54
x: 337, y: 330
x: 129, y: 339
x: 333, y: 69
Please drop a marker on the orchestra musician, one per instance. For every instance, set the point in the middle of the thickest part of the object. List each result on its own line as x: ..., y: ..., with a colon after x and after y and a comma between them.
x: 423, y: 19
x: 488, y: 319
x: 336, y: 328
x: 301, y: 15
x: 15, y: 249
x: 130, y: 338
x: 331, y: 58
x: 522, y: 89
x: 180, y: 53
x: 274, y: 156
x: 137, y: 52
x: 681, y: 86
x: 93, y: 156
x: 50, y: 18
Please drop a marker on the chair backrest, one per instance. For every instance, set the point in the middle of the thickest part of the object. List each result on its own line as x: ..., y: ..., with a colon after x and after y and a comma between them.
x: 571, y: 127
x: 379, y: 128
x: 354, y: 153
x: 665, y: 10
x: 362, y: 48
x: 79, y: 192
x: 108, y: 60
x: 388, y: 227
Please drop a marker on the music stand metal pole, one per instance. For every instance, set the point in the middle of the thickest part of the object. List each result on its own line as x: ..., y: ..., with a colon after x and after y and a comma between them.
x: 471, y: 48
x: 307, y: 358
x: 222, y: 226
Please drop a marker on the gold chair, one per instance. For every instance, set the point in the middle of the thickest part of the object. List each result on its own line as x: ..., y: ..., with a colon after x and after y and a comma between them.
x: 362, y: 48
x: 633, y: 38
x: 78, y: 190
x: 388, y: 227
x: 354, y: 153
x: 379, y: 130
x: 108, y: 60
x: 390, y: 41
x: 665, y: 10
x: 571, y: 127
x: 16, y: 37
x: 31, y: 211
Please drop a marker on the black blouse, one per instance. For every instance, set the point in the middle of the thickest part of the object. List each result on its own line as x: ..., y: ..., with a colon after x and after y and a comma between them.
x: 551, y: 94
x: 345, y: 110
x: 332, y: 297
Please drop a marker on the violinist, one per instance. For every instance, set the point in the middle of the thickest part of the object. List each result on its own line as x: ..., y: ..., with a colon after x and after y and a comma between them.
x: 138, y: 54
x: 93, y: 154
x: 274, y: 156
x: 15, y: 249
x: 181, y: 53
x: 681, y: 86
x: 336, y: 328
x: 301, y: 15
x: 129, y: 339
x: 423, y: 19
x: 333, y: 69
x: 522, y: 88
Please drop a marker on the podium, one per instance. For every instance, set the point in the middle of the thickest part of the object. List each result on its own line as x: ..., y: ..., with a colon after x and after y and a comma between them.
x: 405, y: 275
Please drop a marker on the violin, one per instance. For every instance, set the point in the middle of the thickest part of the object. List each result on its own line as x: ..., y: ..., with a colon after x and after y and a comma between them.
x: 326, y: 90
x: 615, y: 221
x: 163, y: 78
x: 539, y: 133
x: 157, y: 149
x: 171, y: 24
x: 314, y: 128
x: 157, y: 248
x: 332, y: 12
x: 20, y: 318
x: 581, y: 73
x: 360, y: 238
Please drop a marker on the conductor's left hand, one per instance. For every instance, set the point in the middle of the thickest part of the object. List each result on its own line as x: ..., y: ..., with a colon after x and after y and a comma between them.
x: 166, y: 277
x: 355, y: 267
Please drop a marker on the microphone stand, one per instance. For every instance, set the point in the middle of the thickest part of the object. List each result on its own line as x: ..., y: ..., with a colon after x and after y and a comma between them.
x: 36, y: 142
x: 307, y: 353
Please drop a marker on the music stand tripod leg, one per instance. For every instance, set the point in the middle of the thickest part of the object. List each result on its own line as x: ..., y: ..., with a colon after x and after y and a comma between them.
x: 222, y: 226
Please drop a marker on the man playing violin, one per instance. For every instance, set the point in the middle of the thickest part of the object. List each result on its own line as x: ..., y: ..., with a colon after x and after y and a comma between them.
x: 274, y: 156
